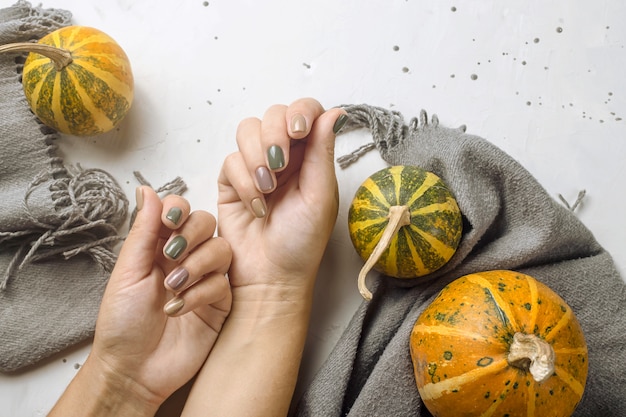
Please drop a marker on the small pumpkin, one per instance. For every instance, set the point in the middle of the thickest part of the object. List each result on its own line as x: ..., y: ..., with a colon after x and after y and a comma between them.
x: 404, y: 222
x: 77, y: 80
x: 499, y: 343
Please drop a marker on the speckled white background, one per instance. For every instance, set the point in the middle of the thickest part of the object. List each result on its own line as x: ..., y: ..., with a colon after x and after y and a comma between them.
x: 542, y: 80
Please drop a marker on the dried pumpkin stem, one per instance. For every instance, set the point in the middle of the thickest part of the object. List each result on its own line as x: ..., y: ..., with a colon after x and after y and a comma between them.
x: 60, y: 57
x: 398, y: 216
x: 532, y: 354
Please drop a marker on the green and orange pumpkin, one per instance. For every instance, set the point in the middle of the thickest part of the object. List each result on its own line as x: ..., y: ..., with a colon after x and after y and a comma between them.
x: 77, y: 80
x: 404, y: 222
x: 499, y: 343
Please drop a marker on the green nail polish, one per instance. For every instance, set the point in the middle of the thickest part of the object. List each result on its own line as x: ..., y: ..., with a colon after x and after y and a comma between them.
x: 174, y: 215
x: 176, y: 246
x: 341, y: 121
x: 275, y: 157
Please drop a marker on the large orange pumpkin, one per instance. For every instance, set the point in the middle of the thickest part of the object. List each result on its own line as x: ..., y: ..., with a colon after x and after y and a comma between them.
x: 77, y: 80
x: 499, y: 343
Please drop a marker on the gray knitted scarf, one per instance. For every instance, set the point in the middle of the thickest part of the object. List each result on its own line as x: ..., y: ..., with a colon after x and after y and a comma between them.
x: 57, y: 223
x: 510, y: 223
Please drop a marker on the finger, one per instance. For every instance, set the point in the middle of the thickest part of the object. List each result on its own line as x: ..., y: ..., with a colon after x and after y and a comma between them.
x: 300, y: 116
x: 213, y: 290
x: 274, y: 137
x: 176, y: 210
x: 199, y: 227
x: 137, y: 253
x: 236, y: 185
x: 213, y: 255
x: 249, y: 143
x: 318, y: 165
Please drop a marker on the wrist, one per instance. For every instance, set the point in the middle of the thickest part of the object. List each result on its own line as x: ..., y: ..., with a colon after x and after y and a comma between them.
x: 271, y: 301
x: 97, y: 390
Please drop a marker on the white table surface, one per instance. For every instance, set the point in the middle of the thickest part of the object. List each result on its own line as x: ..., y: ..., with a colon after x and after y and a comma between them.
x: 542, y: 80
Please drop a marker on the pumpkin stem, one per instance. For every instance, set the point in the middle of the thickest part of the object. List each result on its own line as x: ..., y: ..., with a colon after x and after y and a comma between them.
x: 398, y: 216
x: 61, y: 58
x: 532, y: 354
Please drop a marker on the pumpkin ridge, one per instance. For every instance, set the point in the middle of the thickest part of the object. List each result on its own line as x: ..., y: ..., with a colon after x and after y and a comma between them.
x: 434, y: 390
x: 375, y: 229
x: 390, y: 258
x: 418, y: 261
x: 77, y: 117
x: 569, y: 379
x: 428, y: 256
x: 43, y: 100
x: 438, y: 247
x: 67, y: 40
x: 501, y: 307
x: 113, y: 80
x: 72, y: 32
x: 396, y: 176
x: 449, y: 331
x: 77, y: 46
x: 429, y: 182
x: 376, y: 193
x: 565, y: 318
x: 494, y: 406
x: 91, y: 91
x: 431, y: 208
x: 52, y: 101
x: 33, y: 88
x: 534, y: 309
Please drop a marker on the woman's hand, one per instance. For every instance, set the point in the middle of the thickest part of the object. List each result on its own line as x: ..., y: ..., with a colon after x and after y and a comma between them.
x: 278, y: 195
x: 277, y: 206
x: 161, y: 313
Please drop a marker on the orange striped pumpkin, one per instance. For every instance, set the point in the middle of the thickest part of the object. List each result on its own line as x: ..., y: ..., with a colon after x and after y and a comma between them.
x: 499, y: 343
x: 404, y: 222
x: 88, y: 94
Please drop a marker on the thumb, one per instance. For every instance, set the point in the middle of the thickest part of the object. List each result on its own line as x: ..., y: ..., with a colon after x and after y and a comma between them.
x: 137, y: 255
x: 318, y: 166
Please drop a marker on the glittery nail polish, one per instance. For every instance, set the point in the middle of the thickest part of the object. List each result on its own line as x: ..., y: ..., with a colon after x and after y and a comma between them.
x: 176, y: 247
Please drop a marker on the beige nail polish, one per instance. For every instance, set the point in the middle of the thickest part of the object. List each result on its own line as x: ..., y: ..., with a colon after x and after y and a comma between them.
x: 298, y: 123
x: 139, y: 198
x: 174, y: 306
x: 258, y: 208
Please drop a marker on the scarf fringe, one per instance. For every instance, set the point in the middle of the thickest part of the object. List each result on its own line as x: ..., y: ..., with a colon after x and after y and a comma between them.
x: 90, y: 207
x: 387, y: 128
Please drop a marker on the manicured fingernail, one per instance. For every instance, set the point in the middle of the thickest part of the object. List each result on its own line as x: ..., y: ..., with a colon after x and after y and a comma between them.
x: 298, y: 123
x: 173, y: 306
x: 174, y: 215
x: 264, y: 179
x: 258, y: 208
x: 275, y: 157
x: 341, y: 121
x: 175, y: 247
x: 139, y: 197
x: 177, y: 278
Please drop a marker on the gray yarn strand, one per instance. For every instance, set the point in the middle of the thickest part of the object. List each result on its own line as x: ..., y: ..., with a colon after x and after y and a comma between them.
x: 387, y: 128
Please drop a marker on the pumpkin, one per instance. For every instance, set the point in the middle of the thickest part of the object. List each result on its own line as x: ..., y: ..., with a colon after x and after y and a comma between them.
x: 499, y: 343
x: 77, y: 80
x: 404, y: 222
